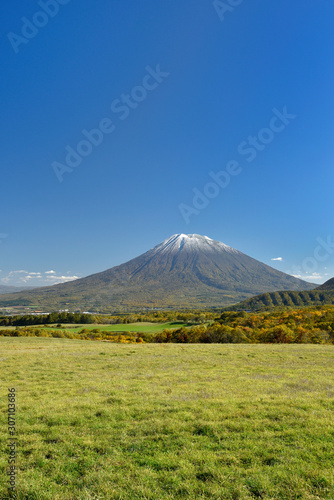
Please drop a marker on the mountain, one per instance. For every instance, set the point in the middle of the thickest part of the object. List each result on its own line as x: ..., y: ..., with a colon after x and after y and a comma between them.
x: 12, y: 289
x: 328, y: 286
x: 182, y: 271
x: 283, y: 299
x: 319, y: 296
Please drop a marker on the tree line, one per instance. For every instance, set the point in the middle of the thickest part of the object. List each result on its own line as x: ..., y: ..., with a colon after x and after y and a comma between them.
x: 308, y: 325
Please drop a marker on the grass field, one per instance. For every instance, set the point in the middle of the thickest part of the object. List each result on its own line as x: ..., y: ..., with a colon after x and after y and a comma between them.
x: 130, y: 327
x: 98, y: 420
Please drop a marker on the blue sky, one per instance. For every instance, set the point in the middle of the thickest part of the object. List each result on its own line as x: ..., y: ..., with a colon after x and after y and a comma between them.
x: 181, y: 92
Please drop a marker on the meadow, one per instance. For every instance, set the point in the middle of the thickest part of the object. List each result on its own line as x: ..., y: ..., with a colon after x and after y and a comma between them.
x: 98, y: 420
x: 143, y: 327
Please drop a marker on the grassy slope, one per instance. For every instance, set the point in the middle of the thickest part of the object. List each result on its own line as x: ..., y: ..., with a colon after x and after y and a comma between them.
x: 110, y: 421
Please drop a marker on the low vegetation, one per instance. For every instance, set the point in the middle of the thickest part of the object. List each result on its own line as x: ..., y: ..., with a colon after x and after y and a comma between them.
x: 313, y: 325
x: 126, y: 332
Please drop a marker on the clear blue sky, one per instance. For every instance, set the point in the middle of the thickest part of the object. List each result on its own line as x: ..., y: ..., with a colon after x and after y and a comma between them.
x: 222, y: 73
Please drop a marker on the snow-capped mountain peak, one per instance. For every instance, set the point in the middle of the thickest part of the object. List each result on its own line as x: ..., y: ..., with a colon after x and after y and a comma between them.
x: 192, y: 242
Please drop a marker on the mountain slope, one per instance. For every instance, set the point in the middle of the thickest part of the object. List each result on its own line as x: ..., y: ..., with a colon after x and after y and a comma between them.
x: 283, y: 299
x: 182, y: 271
x: 327, y: 286
x: 11, y: 289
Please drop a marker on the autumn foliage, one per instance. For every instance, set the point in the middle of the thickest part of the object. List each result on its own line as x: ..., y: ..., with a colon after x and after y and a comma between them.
x: 309, y: 325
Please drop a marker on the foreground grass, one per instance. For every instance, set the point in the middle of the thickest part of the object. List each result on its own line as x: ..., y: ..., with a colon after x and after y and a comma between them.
x: 111, y: 421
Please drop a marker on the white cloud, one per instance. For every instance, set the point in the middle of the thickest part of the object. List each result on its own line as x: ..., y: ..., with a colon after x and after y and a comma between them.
x: 12, y: 275
x: 312, y: 277
x: 60, y: 279
x: 278, y: 258
x: 47, y: 278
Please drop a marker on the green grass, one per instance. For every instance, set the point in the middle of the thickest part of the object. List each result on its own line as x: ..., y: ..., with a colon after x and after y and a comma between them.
x: 162, y: 421
x: 130, y: 327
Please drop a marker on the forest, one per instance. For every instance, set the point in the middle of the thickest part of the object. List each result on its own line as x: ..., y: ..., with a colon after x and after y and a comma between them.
x: 313, y: 325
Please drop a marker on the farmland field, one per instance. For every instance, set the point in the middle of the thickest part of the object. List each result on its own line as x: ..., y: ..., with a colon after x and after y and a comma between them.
x: 162, y: 421
x: 142, y: 327
x: 130, y: 327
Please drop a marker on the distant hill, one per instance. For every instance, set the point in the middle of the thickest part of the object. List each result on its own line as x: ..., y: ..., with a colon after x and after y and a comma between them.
x: 269, y: 301
x: 329, y: 285
x: 11, y: 289
x: 182, y: 271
